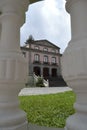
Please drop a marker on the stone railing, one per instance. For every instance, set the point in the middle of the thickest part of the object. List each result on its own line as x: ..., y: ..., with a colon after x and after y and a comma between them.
x: 45, y: 82
x: 35, y: 78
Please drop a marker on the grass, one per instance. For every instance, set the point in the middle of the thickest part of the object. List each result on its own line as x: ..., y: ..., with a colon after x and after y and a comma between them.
x: 48, y: 110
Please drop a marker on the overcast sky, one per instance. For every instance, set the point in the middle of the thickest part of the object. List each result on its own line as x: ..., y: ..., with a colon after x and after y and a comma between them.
x: 47, y: 20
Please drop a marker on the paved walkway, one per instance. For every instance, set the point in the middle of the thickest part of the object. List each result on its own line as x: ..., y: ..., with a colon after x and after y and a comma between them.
x: 46, y: 90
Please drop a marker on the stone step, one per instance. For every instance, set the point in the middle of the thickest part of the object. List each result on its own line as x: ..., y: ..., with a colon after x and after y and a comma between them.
x: 35, y: 127
x: 56, y: 81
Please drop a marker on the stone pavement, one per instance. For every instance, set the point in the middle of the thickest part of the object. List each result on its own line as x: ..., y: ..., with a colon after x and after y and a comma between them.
x: 39, y: 90
x: 35, y: 127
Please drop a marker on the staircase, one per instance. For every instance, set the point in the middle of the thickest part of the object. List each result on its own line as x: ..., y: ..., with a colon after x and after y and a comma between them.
x: 56, y: 82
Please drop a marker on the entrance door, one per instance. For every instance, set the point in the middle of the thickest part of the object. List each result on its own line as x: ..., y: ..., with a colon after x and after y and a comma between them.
x: 54, y: 72
x: 37, y: 71
x: 45, y: 72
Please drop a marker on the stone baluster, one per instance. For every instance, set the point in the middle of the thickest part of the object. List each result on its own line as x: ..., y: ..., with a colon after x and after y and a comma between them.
x: 74, y: 63
x: 12, y: 64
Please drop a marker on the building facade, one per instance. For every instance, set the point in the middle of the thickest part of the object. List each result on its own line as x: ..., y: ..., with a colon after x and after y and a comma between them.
x: 43, y: 58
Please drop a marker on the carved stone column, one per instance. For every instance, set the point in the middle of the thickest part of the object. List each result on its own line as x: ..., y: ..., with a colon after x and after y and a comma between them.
x: 12, y: 64
x: 74, y: 63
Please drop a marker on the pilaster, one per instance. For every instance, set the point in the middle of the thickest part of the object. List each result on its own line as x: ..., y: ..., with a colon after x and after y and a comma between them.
x: 41, y: 71
x: 50, y: 71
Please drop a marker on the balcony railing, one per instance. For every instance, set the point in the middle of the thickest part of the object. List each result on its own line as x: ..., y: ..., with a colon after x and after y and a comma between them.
x: 46, y: 63
x: 54, y: 64
x: 36, y: 62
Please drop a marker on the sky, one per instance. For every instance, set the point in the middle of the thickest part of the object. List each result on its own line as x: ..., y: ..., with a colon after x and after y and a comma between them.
x: 49, y: 20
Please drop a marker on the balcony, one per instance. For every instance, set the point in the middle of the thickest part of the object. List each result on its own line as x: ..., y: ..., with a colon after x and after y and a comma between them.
x: 36, y: 62
x: 46, y: 63
x: 55, y: 64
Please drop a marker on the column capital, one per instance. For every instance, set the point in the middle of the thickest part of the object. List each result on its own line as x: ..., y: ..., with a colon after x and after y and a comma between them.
x: 11, y: 5
x: 69, y: 3
x: 19, y: 7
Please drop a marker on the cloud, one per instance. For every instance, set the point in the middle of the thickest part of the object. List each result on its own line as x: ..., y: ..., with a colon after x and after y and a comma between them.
x: 47, y: 20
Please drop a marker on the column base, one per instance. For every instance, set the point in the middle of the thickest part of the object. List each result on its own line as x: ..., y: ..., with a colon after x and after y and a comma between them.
x: 23, y: 126
x: 76, y: 122
x: 14, y: 122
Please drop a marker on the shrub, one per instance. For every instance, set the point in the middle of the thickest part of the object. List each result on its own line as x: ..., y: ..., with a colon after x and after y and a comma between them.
x: 39, y: 83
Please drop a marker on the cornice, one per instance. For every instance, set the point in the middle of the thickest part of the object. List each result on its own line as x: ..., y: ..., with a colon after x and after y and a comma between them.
x: 40, y: 51
x: 45, y: 45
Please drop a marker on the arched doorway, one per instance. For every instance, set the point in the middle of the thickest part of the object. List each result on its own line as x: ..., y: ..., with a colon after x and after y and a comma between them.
x: 54, y: 72
x: 45, y: 72
x: 37, y: 70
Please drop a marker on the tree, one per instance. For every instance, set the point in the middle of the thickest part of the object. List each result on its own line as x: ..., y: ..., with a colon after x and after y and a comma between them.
x: 30, y: 39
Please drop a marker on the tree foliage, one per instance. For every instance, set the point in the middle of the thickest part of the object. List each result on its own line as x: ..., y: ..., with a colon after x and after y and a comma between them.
x: 39, y: 83
x: 30, y: 39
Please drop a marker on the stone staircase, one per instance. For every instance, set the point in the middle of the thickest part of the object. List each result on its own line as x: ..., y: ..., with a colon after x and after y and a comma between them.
x: 56, y: 82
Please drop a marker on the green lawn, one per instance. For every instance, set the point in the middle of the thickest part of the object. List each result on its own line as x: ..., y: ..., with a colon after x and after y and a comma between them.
x: 48, y: 110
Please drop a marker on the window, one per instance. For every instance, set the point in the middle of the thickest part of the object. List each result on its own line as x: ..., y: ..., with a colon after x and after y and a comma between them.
x: 53, y: 50
x: 53, y: 60
x: 36, y: 57
x: 45, y: 59
x: 45, y: 49
x: 36, y: 47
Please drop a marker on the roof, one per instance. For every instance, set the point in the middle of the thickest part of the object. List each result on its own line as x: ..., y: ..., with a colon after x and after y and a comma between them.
x: 43, y: 42
x: 46, y: 43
